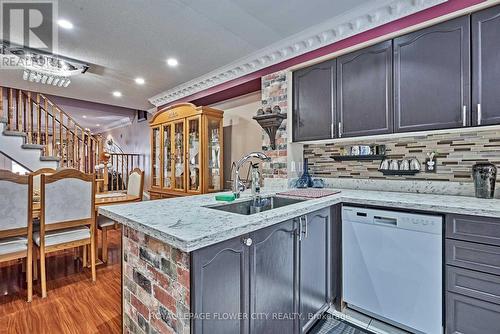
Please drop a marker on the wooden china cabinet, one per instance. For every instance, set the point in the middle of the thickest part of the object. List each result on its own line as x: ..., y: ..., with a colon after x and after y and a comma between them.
x: 186, y: 151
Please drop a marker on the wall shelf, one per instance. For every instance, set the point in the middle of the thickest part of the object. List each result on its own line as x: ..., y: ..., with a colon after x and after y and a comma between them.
x: 391, y: 172
x: 358, y: 157
x: 270, y: 123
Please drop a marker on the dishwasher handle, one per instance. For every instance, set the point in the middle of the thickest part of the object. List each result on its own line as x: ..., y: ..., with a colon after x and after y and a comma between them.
x: 385, y: 220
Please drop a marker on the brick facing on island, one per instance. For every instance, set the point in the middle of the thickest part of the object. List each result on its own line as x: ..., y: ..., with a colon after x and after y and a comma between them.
x: 156, y: 286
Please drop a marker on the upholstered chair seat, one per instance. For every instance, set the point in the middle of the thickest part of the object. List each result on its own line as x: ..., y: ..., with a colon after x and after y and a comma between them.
x: 63, y: 236
x: 105, y: 222
x: 13, y: 245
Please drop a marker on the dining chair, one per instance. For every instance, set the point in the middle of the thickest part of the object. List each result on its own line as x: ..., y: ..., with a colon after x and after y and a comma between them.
x: 135, y: 187
x: 16, y: 227
x: 67, y: 216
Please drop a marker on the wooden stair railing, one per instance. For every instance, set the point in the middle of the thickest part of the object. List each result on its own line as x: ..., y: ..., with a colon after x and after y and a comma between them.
x: 122, y: 164
x: 47, y: 126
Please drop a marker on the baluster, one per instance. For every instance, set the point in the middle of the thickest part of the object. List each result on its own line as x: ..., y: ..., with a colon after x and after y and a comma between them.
x: 60, y: 149
x: 30, y: 118
x: 1, y: 104
x: 46, y: 107
x: 127, y: 172
x: 68, y: 143
x: 39, y: 121
x: 75, y: 158
x: 20, y: 112
x: 115, y: 173
x: 54, y: 133
x: 121, y: 164
x: 10, y: 109
x: 84, y: 152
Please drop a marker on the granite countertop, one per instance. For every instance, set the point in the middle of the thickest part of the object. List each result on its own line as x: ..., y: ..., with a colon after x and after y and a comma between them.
x: 187, y: 224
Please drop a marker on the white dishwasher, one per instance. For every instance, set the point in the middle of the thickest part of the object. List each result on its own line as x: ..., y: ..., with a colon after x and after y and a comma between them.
x: 392, y: 267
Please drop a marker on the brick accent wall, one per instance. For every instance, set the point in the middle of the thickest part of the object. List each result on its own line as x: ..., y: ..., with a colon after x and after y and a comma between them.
x: 274, y: 92
x: 156, y: 285
x: 456, y: 153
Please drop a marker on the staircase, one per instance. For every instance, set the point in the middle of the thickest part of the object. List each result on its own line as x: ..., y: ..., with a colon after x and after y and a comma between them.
x: 36, y: 133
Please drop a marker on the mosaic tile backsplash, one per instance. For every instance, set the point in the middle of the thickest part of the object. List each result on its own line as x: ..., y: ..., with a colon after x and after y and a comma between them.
x: 456, y: 153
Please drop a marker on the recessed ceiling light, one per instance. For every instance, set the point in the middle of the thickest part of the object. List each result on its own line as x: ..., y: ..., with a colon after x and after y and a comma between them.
x: 84, y: 116
x: 65, y: 24
x: 139, y: 81
x: 172, y: 62
x: 98, y: 125
x: 117, y: 93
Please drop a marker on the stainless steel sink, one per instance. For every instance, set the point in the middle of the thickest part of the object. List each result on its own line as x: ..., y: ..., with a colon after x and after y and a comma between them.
x: 248, y: 207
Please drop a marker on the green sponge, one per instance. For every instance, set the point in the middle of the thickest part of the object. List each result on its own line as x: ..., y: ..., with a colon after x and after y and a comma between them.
x: 225, y: 197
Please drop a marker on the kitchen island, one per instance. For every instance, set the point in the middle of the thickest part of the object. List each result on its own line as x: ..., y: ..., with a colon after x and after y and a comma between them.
x: 188, y: 267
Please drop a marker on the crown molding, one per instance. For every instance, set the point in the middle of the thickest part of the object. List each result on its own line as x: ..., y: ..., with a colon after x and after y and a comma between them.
x: 119, y: 123
x: 358, y: 20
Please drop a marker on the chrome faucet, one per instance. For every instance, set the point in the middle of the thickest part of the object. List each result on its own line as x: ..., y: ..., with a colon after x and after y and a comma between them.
x: 238, y: 186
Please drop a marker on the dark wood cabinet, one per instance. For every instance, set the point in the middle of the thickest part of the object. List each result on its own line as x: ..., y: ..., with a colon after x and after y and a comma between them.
x: 273, y: 271
x: 432, y: 77
x: 472, y: 255
x: 364, y: 91
x: 315, y: 281
x: 314, y: 95
x: 465, y: 315
x: 220, y: 285
x: 486, y: 66
x: 268, y: 277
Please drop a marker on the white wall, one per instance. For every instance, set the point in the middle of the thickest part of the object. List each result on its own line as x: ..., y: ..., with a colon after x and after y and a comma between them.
x: 245, y: 133
x: 134, y: 138
x: 5, y: 162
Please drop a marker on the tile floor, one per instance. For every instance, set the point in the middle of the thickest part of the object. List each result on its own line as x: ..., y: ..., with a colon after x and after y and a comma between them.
x: 361, y: 322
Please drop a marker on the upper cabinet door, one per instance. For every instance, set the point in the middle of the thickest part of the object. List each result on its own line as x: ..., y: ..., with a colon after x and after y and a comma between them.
x: 364, y: 91
x: 431, y: 77
x: 314, y: 102
x: 486, y: 66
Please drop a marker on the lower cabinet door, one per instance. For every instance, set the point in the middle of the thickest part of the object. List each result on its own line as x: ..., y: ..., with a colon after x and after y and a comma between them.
x: 465, y: 315
x: 272, y: 279
x: 315, y: 268
x: 220, y: 288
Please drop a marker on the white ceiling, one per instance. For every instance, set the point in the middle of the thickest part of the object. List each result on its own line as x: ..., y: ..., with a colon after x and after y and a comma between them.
x: 123, y: 39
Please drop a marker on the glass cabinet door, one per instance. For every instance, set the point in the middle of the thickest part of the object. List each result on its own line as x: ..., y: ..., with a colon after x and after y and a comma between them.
x: 193, y: 154
x: 214, y: 177
x: 155, y: 156
x: 178, y: 150
x: 167, y: 156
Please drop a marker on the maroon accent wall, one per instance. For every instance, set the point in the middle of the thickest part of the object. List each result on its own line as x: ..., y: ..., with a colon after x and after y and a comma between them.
x: 241, y: 86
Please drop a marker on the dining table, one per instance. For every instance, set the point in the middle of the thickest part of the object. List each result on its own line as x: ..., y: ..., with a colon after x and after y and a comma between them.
x: 101, y: 199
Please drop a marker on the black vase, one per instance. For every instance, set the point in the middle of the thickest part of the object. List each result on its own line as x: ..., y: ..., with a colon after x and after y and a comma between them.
x: 305, y: 180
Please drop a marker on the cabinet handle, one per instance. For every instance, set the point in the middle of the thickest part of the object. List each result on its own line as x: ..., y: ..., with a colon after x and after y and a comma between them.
x: 340, y: 129
x: 332, y: 127
x: 464, y: 115
x: 300, y: 229
x: 248, y: 242
x: 305, y: 227
x: 479, y: 115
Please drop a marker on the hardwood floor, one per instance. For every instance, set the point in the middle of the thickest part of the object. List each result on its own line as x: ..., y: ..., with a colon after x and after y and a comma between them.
x: 73, y: 305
